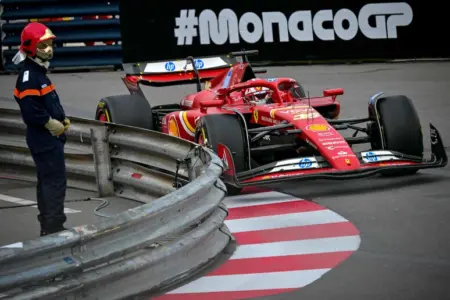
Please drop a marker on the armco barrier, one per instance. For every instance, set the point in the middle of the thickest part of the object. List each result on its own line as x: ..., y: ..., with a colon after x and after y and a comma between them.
x: 307, y: 31
x: 16, y: 13
x: 176, y: 232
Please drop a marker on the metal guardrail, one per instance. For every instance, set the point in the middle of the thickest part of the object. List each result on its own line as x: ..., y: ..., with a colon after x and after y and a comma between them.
x: 179, y: 230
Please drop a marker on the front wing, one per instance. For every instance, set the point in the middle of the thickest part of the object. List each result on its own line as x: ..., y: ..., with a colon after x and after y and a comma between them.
x: 372, y: 163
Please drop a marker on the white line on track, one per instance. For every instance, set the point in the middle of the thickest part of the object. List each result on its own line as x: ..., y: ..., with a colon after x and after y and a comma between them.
x: 258, y: 281
x: 257, y: 198
x: 236, y: 203
x: 311, y: 246
x: 283, y: 221
x: 20, y: 201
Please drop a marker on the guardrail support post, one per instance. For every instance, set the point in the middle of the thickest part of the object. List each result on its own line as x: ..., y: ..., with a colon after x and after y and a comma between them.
x: 102, y: 161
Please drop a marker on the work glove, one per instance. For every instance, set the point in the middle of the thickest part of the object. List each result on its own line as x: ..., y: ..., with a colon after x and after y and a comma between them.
x: 55, y: 127
x: 66, y: 123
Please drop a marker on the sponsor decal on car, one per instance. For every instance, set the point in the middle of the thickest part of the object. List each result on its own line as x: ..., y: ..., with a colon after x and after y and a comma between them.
x: 255, y: 116
x: 370, y: 157
x: 335, y: 147
x: 376, y: 156
x: 342, y: 154
x: 199, y: 64
x: 329, y: 139
x: 326, y: 133
x: 305, y: 163
x: 181, y: 65
x: 188, y: 128
x: 186, y: 102
x: 293, y: 109
x: 318, y: 127
x: 296, y: 164
x: 173, y: 127
x: 305, y: 116
x: 334, y: 143
x: 169, y: 66
x: 269, y: 120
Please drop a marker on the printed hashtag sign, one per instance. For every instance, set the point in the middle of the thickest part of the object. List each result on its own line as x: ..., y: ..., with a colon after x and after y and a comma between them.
x: 302, y: 31
x: 186, y: 27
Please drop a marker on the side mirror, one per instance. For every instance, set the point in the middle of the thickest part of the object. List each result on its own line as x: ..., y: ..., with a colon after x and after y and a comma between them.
x: 211, y: 103
x: 333, y: 92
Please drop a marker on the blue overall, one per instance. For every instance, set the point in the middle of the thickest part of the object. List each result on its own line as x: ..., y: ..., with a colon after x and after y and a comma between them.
x: 38, y: 101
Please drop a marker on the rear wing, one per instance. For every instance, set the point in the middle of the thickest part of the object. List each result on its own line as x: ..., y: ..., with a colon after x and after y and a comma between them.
x: 183, y: 71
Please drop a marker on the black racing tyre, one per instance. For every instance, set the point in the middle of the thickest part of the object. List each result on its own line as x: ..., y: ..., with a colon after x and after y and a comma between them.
x: 227, y: 130
x: 130, y: 110
x: 401, y: 128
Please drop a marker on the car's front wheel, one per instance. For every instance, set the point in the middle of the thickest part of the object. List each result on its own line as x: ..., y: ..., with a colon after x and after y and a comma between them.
x: 400, y: 128
x: 224, y: 129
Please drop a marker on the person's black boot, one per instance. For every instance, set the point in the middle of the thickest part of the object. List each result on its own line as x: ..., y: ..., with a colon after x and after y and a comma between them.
x: 41, y: 221
x: 45, y: 232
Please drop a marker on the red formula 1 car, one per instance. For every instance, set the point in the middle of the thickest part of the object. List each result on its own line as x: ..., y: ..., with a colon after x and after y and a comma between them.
x: 267, y: 130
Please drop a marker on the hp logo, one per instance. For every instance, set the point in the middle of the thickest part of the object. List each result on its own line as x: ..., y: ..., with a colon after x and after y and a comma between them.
x: 370, y: 156
x: 304, y: 163
x: 170, y: 66
x: 199, y: 64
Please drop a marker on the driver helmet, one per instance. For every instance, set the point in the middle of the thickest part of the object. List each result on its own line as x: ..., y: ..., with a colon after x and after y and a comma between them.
x: 257, y: 94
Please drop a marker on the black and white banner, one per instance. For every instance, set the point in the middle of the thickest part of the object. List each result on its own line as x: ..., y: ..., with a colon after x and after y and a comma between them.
x: 288, y: 31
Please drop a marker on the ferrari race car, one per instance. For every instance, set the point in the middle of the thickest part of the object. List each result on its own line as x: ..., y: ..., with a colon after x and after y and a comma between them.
x: 268, y: 130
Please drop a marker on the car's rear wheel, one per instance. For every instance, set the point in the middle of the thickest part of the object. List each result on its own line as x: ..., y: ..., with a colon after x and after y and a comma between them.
x: 130, y: 110
x: 401, y: 129
x: 227, y: 130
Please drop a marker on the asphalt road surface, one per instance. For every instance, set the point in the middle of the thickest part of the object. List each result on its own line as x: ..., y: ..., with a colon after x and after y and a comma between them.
x: 18, y: 211
x: 404, y: 223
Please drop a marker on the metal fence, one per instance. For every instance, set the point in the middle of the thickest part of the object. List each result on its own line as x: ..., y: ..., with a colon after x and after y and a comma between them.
x: 178, y: 230
x: 76, y: 24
